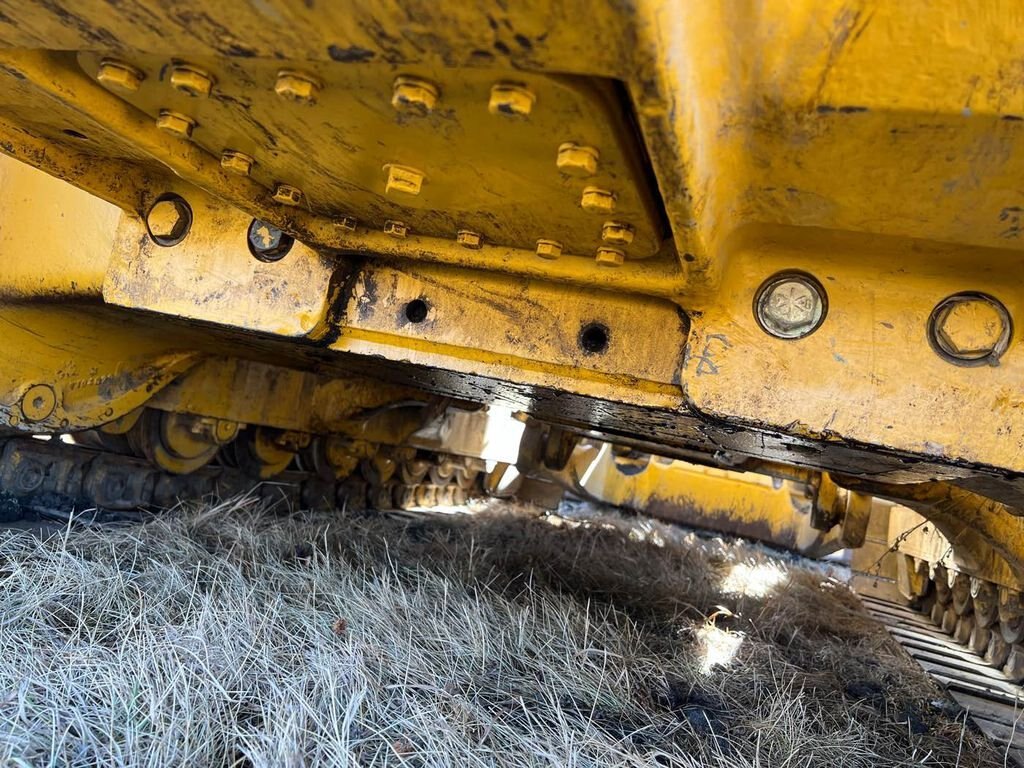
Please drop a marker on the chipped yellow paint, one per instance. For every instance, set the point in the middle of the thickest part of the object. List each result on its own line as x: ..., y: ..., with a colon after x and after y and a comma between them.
x: 97, y: 366
x: 868, y: 373
x: 744, y: 503
x: 212, y: 276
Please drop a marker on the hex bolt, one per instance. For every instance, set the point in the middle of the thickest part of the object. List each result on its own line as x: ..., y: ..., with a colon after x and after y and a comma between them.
x: 549, y: 249
x: 790, y: 305
x: 414, y: 95
x: 38, y: 402
x: 467, y: 238
x: 297, y: 86
x: 397, y: 229
x: 268, y: 243
x: 576, y: 160
x: 346, y: 224
x: 119, y: 75
x: 176, y: 123
x: 286, y: 194
x: 617, y: 233
x: 403, y: 179
x: 597, y: 200
x: 236, y: 162
x: 970, y: 329
x: 191, y: 80
x: 511, y: 99
x: 169, y: 220
x: 609, y: 257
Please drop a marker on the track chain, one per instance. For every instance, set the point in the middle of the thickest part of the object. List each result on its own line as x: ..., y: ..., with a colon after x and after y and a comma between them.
x: 52, y: 474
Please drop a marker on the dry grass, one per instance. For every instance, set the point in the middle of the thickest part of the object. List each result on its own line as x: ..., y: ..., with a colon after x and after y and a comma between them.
x: 230, y: 636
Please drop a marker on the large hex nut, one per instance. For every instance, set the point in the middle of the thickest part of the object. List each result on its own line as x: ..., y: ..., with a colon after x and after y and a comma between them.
x: 169, y: 220
x: 970, y: 329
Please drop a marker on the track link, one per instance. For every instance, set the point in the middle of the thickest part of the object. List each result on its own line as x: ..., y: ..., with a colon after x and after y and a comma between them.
x: 993, y: 700
x: 50, y: 473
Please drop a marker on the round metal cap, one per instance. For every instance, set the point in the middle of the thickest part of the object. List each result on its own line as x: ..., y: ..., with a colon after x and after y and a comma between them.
x: 790, y: 305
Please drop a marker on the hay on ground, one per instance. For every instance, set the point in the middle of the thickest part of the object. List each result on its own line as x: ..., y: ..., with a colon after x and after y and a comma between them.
x: 229, y: 635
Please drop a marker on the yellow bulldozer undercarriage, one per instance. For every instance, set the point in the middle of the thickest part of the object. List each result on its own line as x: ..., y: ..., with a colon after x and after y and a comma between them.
x: 397, y: 253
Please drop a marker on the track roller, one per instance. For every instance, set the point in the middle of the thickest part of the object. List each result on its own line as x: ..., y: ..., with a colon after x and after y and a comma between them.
x: 1011, y: 615
x: 263, y: 452
x: 179, y: 443
x: 986, y: 602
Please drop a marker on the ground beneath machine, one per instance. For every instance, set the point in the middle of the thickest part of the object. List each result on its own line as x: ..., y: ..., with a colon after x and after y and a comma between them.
x: 509, y: 637
x: 995, y: 703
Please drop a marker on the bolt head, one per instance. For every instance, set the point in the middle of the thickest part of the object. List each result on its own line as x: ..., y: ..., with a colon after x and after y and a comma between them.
x: 236, y: 162
x: 176, y: 123
x: 225, y: 431
x: 971, y: 328
x: 267, y: 242
x: 610, y: 257
x: 403, y: 180
x: 414, y: 95
x: 169, y: 221
x: 117, y: 74
x: 38, y: 402
x: 617, y: 233
x: 576, y: 160
x: 597, y: 200
x: 469, y: 239
x: 191, y: 80
x: 397, y: 229
x: 511, y: 99
x: 286, y: 194
x: 297, y: 86
x: 346, y: 224
x: 549, y: 249
x: 790, y: 306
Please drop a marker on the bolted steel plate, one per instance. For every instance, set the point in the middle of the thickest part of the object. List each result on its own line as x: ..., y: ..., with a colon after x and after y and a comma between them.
x: 514, y: 156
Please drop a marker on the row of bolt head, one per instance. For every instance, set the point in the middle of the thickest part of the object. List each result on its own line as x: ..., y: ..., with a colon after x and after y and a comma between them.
x: 605, y: 256
x: 169, y: 219
x: 194, y: 81
x: 409, y: 93
x: 547, y: 249
x: 418, y: 96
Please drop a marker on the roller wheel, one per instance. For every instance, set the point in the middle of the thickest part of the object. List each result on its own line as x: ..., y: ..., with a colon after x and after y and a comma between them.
x: 940, y: 578
x: 963, y: 630
x: 998, y: 650
x: 1011, y: 615
x: 978, y: 641
x: 961, y: 593
x: 986, y: 602
x: 256, y: 453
